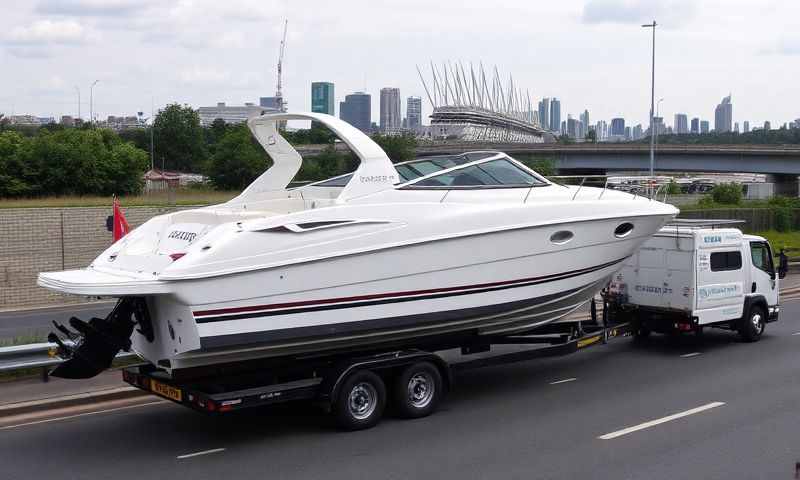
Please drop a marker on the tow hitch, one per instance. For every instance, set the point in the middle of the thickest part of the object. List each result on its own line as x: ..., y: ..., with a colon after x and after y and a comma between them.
x: 98, y: 341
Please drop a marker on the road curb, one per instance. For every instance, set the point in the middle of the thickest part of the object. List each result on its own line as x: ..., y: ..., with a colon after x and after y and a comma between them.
x: 87, y: 398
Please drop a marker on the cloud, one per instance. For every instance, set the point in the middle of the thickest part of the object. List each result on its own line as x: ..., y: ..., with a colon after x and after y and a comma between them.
x: 90, y: 7
x: 784, y: 47
x: 48, y: 32
x: 668, y: 12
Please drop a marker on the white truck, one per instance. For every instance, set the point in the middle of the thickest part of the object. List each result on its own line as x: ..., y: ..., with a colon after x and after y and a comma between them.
x: 694, y: 274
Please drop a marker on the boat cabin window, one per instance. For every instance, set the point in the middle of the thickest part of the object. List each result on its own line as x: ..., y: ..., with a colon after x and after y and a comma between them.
x: 416, y: 168
x: 494, y: 173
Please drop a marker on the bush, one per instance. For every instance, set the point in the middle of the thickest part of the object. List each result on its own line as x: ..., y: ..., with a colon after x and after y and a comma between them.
x: 727, y: 194
x: 673, y: 188
x: 783, y: 219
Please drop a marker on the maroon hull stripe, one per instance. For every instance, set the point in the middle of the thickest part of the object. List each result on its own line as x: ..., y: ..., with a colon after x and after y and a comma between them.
x: 410, y: 293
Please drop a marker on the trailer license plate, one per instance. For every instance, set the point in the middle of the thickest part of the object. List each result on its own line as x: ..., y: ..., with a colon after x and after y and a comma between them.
x: 166, y: 391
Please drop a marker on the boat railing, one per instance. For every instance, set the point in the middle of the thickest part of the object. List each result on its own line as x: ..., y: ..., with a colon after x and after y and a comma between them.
x: 653, y: 188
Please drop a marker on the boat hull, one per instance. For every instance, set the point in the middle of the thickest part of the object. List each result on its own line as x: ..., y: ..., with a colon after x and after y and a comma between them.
x: 499, y: 283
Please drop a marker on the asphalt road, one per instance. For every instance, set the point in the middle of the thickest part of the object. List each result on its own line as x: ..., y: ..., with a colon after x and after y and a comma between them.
x: 738, y: 408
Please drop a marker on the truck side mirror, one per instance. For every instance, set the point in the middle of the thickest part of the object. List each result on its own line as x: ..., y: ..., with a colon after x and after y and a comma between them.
x: 783, y: 264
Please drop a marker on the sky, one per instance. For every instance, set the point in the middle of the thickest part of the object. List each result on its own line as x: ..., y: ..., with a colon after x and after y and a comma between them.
x: 591, y: 54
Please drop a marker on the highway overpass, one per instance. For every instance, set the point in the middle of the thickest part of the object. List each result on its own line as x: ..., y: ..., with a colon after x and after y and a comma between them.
x: 603, y: 157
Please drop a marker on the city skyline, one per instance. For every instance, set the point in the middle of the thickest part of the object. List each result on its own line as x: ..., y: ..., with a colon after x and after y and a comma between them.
x: 45, y: 40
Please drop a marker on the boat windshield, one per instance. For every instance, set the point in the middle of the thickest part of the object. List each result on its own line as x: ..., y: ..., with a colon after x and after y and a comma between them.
x: 414, y: 169
x: 493, y: 173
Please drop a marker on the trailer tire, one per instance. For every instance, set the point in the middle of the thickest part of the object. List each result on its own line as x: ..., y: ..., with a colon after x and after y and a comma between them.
x: 360, y: 401
x: 751, y: 326
x: 417, y: 390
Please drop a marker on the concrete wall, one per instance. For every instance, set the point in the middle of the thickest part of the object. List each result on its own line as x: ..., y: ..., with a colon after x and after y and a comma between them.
x: 34, y: 240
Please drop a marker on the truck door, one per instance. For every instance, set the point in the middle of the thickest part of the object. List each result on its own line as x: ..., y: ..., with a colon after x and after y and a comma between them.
x: 764, y: 281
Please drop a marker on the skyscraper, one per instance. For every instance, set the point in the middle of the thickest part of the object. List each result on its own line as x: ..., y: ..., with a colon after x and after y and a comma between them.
x: 572, y: 127
x: 585, y: 117
x: 767, y: 125
x: 681, y: 124
x: 618, y: 127
x: 555, y: 115
x: 695, y: 126
x: 413, y: 112
x: 390, y: 109
x: 746, y: 126
x: 723, y: 116
x: 736, y: 127
x: 544, y: 113
x: 638, y: 132
x: 322, y: 98
x: 357, y: 110
x: 704, y: 127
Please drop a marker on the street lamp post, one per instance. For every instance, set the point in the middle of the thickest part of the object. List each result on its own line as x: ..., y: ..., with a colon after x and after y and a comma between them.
x: 79, y: 101
x: 652, y: 99
x: 91, y: 102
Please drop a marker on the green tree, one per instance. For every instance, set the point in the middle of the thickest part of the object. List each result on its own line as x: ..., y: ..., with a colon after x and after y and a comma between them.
x: 591, y: 136
x: 179, y: 141
x: 80, y: 162
x: 237, y: 160
x: 399, y: 148
x: 12, y: 183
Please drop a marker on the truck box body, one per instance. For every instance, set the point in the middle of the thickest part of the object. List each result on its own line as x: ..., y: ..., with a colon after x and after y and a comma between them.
x: 703, y: 274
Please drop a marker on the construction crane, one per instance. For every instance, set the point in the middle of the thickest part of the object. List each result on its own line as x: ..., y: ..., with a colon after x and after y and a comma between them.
x: 278, y: 94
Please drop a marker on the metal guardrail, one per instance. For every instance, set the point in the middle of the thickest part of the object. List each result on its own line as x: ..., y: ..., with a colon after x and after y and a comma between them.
x: 36, y: 355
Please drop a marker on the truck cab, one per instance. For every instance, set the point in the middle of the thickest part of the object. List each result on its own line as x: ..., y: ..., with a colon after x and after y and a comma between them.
x: 692, y: 275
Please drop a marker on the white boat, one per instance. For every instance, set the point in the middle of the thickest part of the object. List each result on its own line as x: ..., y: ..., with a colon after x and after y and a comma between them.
x: 470, y: 244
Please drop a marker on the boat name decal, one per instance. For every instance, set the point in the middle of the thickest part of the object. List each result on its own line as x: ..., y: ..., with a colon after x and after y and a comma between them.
x: 377, y: 178
x: 188, y: 236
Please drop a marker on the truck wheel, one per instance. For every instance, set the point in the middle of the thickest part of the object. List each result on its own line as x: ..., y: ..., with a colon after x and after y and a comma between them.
x: 751, y: 326
x: 417, y: 390
x: 640, y: 329
x: 360, y: 401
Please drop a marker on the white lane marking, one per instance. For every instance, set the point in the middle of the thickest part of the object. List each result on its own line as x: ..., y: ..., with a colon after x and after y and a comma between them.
x: 693, y: 354
x: 563, y: 381
x: 197, y: 454
x: 48, y: 420
x: 795, y: 333
x: 659, y: 421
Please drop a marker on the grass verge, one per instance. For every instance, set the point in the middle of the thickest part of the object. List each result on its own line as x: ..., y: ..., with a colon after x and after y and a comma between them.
x: 780, y: 240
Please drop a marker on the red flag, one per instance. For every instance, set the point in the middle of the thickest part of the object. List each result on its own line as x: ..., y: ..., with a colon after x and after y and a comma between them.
x: 121, y: 227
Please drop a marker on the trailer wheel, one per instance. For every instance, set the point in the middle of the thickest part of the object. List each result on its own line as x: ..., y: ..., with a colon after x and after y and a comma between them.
x: 751, y: 326
x: 361, y: 401
x: 417, y: 390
